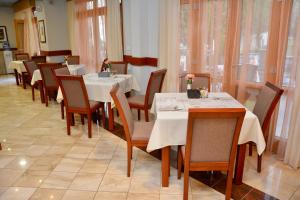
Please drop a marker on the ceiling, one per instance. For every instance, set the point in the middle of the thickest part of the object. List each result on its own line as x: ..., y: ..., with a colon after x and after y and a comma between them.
x: 7, y: 2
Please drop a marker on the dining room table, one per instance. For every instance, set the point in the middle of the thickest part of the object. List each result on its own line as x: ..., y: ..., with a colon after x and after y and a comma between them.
x: 19, y: 69
x: 98, y: 89
x: 79, y: 69
x: 170, y: 127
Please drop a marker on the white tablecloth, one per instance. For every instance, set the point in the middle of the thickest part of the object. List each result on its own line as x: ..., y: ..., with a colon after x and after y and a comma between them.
x: 98, y: 89
x: 170, y: 126
x: 74, y: 70
x: 18, y: 65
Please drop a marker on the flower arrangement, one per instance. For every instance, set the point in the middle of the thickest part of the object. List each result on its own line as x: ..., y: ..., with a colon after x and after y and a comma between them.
x: 106, y: 65
x: 189, y: 80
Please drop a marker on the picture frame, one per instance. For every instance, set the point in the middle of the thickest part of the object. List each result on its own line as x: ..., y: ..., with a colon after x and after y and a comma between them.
x: 3, y: 34
x: 42, y: 32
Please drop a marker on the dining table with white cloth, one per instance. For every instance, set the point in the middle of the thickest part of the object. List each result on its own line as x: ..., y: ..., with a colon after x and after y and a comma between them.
x: 74, y: 70
x: 18, y: 67
x: 170, y: 126
x: 98, y: 89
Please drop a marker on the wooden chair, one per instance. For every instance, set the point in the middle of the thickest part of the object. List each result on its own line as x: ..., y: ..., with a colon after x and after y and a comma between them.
x: 49, y: 81
x: 144, y: 102
x: 118, y: 67
x: 136, y: 133
x: 73, y: 60
x: 31, y: 66
x: 200, y: 80
x: 64, y: 71
x: 264, y: 107
x: 211, y: 143
x: 76, y: 100
x: 22, y: 56
x: 39, y: 59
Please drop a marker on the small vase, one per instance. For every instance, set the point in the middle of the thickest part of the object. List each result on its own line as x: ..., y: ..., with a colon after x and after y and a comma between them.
x: 189, y: 86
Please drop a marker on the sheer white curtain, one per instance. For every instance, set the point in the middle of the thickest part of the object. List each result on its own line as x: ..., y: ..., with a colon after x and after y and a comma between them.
x: 168, y: 42
x: 114, y: 31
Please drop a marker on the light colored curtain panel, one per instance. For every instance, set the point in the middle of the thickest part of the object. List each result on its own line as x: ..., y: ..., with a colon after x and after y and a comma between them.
x: 31, y: 40
x: 90, y: 32
x: 202, y: 38
x: 292, y: 82
x: 114, y: 31
x: 71, y: 26
x: 168, y: 42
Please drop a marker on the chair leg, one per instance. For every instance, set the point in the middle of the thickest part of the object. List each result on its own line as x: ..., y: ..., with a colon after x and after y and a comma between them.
x: 146, y: 115
x: 129, y: 156
x: 62, y: 109
x: 24, y: 80
x: 90, y: 125
x: 103, y: 115
x: 259, y: 160
x: 82, y: 118
x: 68, y: 115
x: 72, y: 120
x: 139, y: 114
x: 229, y: 185
x: 32, y: 92
x: 179, y: 163
x: 186, y: 184
x: 46, y: 98
x: 250, y: 148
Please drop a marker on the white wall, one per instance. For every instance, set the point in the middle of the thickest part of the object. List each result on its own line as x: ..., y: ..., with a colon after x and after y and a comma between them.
x: 7, y: 19
x: 141, y: 25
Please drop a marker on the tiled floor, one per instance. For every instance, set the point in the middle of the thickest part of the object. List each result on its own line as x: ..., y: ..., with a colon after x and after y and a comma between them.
x: 39, y: 160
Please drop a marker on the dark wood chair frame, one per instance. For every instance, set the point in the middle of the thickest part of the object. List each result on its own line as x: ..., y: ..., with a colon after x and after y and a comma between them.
x: 82, y: 111
x: 206, y: 75
x: 130, y: 142
x: 48, y: 89
x: 197, y: 113
x: 145, y: 107
x: 266, y: 123
x: 23, y: 77
x: 74, y: 56
x: 115, y: 62
x: 30, y: 77
x: 39, y: 59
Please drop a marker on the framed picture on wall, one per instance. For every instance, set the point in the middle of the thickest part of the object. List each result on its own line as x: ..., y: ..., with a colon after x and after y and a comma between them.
x: 42, y: 33
x: 3, y: 34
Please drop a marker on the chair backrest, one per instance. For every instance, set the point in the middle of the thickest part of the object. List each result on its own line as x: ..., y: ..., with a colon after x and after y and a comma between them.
x: 73, y: 60
x: 22, y: 56
x: 49, y: 79
x: 212, y: 134
x: 30, y: 66
x: 266, y: 102
x: 122, y: 105
x: 74, y: 92
x: 119, y: 67
x: 201, y: 80
x: 61, y: 71
x: 39, y: 59
x: 154, y: 85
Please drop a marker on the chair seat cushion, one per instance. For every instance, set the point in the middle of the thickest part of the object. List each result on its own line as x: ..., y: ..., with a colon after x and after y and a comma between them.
x: 94, y: 105
x: 136, y: 100
x: 142, y: 131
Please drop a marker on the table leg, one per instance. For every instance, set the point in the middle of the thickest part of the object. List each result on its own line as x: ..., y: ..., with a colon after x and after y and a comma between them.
x: 165, y: 166
x: 41, y: 88
x: 110, y: 117
x: 17, y: 76
x: 24, y: 80
x: 239, y: 164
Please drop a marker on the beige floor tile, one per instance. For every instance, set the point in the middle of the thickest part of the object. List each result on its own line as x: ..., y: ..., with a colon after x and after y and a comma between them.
x: 21, y: 163
x: 296, y: 195
x: 115, y: 183
x: 175, y: 186
x: 3, y: 189
x: 36, y: 150
x: 57, y: 150
x: 119, y: 167
x: 58, y: 180
x: 69, y: 165
x: 45, y: 163
x: 136, y: 196
x: 147, y: 168
x: 4, y: 160
x: 95, y: 166
x: 86, y: 181
x: 31, y: 179
x: 145, y: 184
x: 48, y: 194
x: 9, y: 176
x: 17, y: 193
x: 79, y: 152
x: 78, y: 195
x: 171, y: 197
x: 110, y: 196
